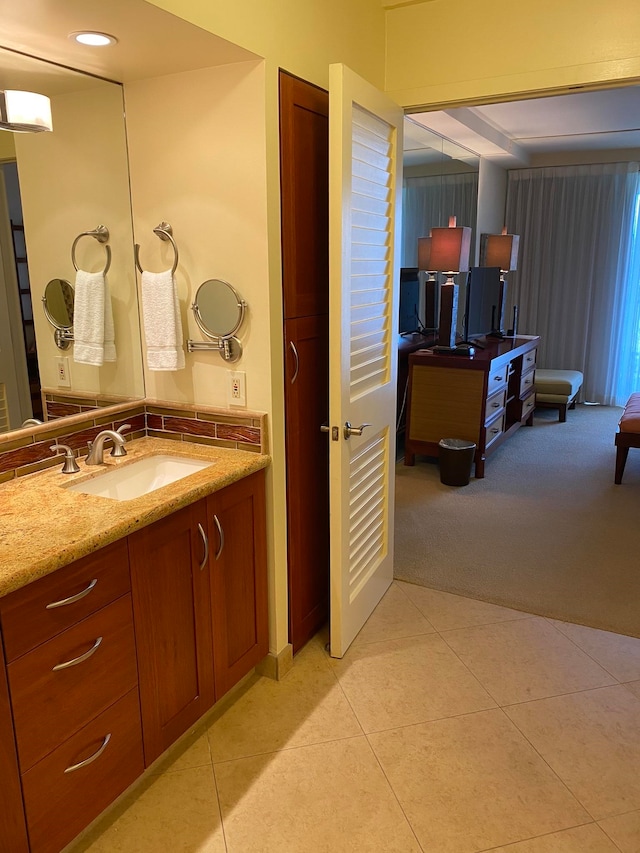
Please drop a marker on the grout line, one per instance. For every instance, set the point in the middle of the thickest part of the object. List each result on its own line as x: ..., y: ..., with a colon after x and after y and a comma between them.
x: 215, y: 785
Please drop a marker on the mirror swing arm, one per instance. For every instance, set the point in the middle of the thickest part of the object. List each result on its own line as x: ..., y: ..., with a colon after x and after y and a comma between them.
x: 63, y: 334
x: 218, y: 302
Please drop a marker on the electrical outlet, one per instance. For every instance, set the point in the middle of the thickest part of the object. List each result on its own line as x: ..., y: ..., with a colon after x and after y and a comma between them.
x: 62, y: 369
x: 237, y: 393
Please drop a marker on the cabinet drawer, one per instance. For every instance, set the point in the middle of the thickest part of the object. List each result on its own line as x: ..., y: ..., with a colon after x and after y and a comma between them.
x: 497, y: 380
x: 60, y: 804
x: 79, y: 589
x: 49, y: 705
x: 529, y: 360
x: 493, y: 431
x: 526, y: 382
x: 528, y: 406
x: 494, y: 404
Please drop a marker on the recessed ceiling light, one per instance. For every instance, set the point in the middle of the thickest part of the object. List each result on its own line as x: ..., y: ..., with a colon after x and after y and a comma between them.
x: 93, y: 39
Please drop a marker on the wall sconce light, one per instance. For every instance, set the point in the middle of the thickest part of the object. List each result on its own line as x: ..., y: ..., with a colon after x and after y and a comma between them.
x: 501, y: 250
x: 448, y: 253
x: 24, y: 112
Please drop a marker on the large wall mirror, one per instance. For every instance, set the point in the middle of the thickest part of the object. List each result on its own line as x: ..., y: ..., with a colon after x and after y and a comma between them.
x: 53, y: 187
x: 440, y: 179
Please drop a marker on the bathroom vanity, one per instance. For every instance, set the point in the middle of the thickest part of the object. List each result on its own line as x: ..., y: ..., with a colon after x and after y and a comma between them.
x: 123, y: 622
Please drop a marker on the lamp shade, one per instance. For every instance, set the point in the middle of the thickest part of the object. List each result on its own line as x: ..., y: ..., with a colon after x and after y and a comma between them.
x: 499, y: 250
x: 24, y: 112
x: 424, y: 254
x: 450, y: 248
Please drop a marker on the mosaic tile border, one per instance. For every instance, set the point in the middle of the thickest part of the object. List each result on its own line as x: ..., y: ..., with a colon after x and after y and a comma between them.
x: 30, y: 449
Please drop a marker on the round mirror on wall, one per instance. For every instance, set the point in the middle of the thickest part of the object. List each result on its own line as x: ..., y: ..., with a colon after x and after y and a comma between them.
x: 218, y: 308
x: 219, y: 312
x: 58, y: 308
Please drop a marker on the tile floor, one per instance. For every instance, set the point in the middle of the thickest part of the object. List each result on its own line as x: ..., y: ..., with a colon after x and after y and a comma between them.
x: 451, y: 726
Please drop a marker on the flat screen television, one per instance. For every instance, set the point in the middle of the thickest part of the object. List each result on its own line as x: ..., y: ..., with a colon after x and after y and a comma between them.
x: 419, y: 302
x: 409, y: 313
x: 482, y: 303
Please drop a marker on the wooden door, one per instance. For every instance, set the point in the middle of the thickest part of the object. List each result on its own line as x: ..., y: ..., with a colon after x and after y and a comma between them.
x: 304, y: 141
x: 238, y: 559
x: 307, y: 405
x: 365, y: 186
x: 172, y: 614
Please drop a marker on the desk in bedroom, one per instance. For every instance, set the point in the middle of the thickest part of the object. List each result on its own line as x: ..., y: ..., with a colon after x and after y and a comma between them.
x: 484, y: 398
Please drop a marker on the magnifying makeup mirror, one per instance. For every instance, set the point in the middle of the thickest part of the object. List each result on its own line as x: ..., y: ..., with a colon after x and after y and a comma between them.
x: 219, y: 311
x: 58, y: 308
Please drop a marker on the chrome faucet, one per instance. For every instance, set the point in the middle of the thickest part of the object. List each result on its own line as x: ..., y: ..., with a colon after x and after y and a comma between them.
x: 96, y: 448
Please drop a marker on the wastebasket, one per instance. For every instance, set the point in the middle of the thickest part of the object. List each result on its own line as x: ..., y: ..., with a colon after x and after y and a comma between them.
x: 456, y: 458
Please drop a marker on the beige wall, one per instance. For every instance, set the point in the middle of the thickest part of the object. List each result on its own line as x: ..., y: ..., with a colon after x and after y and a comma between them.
x: 445, y: 51
x: 7, y: 148
x: 72, y: 180
x: 301, y: 36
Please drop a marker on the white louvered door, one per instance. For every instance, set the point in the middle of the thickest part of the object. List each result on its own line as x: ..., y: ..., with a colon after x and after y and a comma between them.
x: 365, y: 162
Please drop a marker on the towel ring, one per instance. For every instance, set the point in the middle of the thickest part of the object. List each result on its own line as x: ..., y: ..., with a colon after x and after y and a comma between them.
x: 164, y: 232
x: 101, y: 234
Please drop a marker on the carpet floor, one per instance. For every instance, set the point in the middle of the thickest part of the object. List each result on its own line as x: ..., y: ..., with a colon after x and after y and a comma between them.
x: 545, y: 531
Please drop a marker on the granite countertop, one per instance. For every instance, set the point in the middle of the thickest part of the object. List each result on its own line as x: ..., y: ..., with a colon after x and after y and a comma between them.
x: 44, y: 525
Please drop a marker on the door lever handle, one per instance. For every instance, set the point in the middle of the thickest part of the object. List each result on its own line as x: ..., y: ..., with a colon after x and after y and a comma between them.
x: 349, y: 430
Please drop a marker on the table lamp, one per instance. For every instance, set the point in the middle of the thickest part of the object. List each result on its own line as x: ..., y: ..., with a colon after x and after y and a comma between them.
x: 500, y: 250
x: 448, y: 253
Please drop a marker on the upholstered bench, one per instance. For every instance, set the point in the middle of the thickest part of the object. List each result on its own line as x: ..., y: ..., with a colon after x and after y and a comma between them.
x: 557, y: 389
x: 628, y: 434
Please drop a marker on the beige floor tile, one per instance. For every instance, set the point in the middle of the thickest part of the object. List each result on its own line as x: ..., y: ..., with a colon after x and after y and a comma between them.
x: 473, y: 782
x: 624, y: 829
x: 306, y: 707
x: 446, y: 611
x: 394, y: 617
x: 634, y: 687
x: 178, y: 812
x: 525, y: 659
x: 326, y: 798
x: 592, y: 741
x: 582, y: 839
x: 400, y: 682
x: 617, y: 653
x: 191, y: 751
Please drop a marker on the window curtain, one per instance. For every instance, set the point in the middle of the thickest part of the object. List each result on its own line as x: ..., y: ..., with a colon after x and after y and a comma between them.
x: 575, y: 284
x: 429, y: 201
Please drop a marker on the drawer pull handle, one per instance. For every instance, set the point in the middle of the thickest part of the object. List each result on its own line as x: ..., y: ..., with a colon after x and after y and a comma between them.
x: 221, y: 535
x: 495, y: 405
x: 205, y: 539
x: 297, y: 358
x: 495, y: 430
x: 91, y: 758
x: 81, y: 659
x: 73, y: 598
x: 498, y: 379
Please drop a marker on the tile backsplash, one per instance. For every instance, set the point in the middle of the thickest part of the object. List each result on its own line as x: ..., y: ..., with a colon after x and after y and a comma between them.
x: 29, y: 450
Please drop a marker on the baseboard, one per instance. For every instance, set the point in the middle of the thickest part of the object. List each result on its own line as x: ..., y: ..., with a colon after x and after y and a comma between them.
x: 276, y: 666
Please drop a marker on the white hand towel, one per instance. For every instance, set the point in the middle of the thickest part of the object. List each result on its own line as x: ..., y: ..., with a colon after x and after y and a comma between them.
x: 92, y: 320
x: 161, y: 320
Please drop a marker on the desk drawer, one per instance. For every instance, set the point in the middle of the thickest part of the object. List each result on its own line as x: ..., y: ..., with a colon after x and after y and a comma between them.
x: 527, y: 382
x: 494, y: 404
x: 493, y: 431
x: 49, y: 705
x: 497, y: 380
x: 28, y: 618
x: 528, y: 406
x: 529, y: 360
x: 60, y: 804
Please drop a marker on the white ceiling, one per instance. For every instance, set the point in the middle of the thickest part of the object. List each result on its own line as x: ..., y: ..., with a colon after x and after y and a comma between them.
x: 151, y: 43
x: 513, y: 133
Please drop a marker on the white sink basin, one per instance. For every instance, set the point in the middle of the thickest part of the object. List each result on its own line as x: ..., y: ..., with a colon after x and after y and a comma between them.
x: 141, y: 477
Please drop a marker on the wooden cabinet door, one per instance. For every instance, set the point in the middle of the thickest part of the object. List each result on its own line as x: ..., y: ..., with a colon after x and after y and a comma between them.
x: 172, y: 617
x: 304, y: 177
x: 13, y: 831
x: 237, y: 535
x: 307, y: 408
